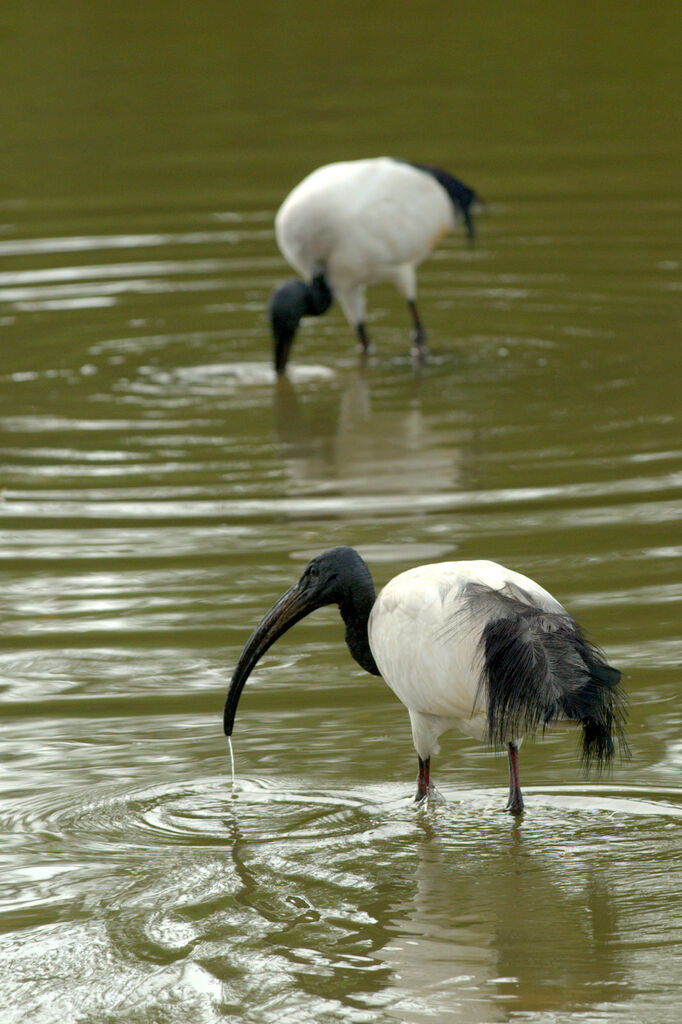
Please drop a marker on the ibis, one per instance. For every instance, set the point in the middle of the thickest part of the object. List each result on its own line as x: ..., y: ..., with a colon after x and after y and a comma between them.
x: 468, y: 644
x: 356, y: 223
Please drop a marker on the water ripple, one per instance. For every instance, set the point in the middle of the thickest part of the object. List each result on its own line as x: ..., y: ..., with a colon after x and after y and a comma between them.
x: 235, y: 892
x: 209, y: 813
x: 89, y: 243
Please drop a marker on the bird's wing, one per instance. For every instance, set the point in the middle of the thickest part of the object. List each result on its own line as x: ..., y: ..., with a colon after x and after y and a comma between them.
x: 475, y: 642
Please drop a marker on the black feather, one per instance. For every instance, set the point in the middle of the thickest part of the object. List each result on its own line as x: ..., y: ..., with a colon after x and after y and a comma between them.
x: 539, y: 668
x: 461, y: 196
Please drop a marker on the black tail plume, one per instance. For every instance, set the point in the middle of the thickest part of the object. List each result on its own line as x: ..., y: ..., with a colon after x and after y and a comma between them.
x: 539, y: 669
x: 600, y: 707
x: 461, y: 196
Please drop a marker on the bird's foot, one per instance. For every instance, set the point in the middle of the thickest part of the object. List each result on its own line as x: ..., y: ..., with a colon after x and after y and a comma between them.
x: 515, y: 803
x: 430, y: 798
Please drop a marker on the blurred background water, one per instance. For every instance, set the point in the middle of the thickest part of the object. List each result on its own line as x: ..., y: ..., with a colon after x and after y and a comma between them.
x: 159, y: 491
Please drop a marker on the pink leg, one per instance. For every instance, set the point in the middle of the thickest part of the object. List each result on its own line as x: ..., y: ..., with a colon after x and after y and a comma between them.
x: 423, y: 779
x: 515, y: 802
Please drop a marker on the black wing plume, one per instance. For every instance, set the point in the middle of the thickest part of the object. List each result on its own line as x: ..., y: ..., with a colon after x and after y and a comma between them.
x: 539, y: 668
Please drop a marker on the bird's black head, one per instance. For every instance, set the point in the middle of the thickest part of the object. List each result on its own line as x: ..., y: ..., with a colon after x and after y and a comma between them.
x: 286, y: 308
x: 338, y: 576
x: 289, y: 303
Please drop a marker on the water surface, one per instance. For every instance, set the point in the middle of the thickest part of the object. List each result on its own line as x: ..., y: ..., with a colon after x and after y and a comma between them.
x: 160, y: 490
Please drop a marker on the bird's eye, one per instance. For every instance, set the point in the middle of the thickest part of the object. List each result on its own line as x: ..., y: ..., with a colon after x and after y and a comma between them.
x: 314, y: 572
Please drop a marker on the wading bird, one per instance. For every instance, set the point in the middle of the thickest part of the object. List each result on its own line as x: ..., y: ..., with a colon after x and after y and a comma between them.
x: 360, y: 222
x: 467, y: 644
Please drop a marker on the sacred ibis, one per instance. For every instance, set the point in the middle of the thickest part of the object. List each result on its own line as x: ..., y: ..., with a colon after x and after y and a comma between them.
x: 468, y: 644
x: 357, y: 223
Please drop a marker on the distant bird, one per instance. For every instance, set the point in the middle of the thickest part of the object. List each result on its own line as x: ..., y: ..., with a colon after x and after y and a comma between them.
x: 470, y: 644
x: 352, y: 224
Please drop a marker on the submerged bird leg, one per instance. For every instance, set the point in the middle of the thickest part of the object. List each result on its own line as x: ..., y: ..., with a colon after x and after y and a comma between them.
x: 515, y: 802
x: 419, y: 346
x: 423, y: 779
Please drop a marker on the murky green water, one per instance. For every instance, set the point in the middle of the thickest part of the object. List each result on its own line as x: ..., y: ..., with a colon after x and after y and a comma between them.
x: 159, y: 491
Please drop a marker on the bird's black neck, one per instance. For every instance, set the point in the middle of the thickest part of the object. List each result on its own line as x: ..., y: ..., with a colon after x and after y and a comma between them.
x: 318, y: 296
x: 358, y: 644
x: 355, y: 606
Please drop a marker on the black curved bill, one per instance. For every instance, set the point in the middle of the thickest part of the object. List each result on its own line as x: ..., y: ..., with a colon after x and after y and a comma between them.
x: 291, y: 607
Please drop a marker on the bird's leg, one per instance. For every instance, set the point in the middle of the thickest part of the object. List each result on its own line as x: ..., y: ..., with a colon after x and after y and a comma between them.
x: 362, y: 334
x: 419, y: 347
x: 423, y: 779
x: 515, y: 802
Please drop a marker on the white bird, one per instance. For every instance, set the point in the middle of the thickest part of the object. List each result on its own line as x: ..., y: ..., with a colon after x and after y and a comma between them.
x: 357, y: 223
x: 468, y: 644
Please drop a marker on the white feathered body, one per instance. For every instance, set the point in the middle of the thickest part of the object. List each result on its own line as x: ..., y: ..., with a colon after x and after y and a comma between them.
x: 363, y: 222
x: 426, y: 641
